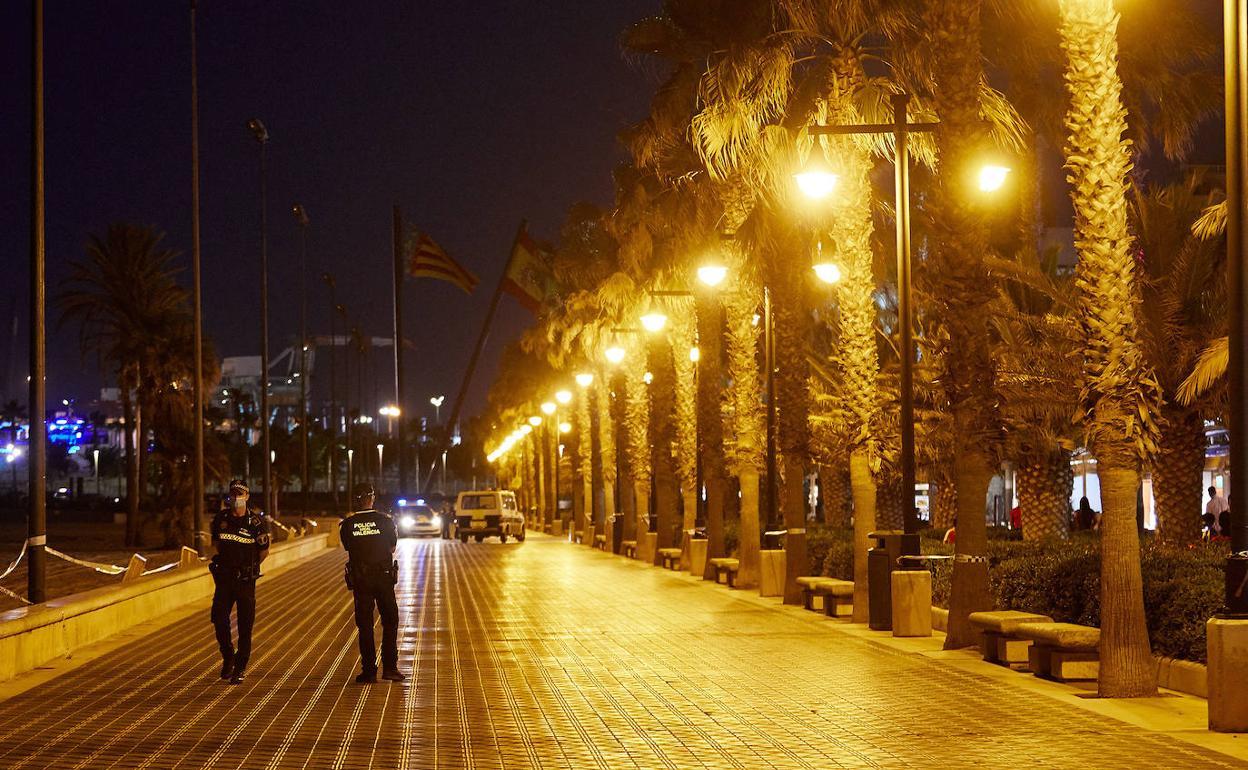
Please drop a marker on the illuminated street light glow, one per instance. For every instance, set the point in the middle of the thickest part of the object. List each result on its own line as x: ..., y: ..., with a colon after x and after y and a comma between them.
x: 647, y: 378
x: 563, y: 396
x: 992, y: 177
x: 712, y: 275
x: 694, y: 354
x: 816, y: 179
x: 828, y: 272
x: 527, y: 429
x: 535, y: 421
x: 654, y: 321
x: 615, y: 354
x: 584, y: 379
x: 390, y: 410
x: 437, y: 400
x: 548, y: 407
x: 565, y: 427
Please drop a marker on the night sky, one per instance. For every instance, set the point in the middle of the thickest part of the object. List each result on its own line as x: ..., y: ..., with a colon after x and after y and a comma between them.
x: 470, y: 116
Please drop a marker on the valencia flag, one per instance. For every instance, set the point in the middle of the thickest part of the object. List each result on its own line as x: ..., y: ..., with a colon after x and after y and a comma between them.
x: 528, y: 277
x: 428, y: 260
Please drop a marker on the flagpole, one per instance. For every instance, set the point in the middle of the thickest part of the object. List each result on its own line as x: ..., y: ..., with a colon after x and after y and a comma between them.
x: 485, y: 330
x: 398, y: 347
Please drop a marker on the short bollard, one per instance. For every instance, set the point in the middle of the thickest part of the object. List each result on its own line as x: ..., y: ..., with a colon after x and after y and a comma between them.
x: 912, y: 603
x: 1227, y: 643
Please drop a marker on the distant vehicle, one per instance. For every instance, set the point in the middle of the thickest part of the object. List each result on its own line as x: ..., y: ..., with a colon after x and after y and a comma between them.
x: 488, y: 513
x: 417, y: 520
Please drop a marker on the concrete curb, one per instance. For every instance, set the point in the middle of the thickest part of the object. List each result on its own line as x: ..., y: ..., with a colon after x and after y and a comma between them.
x: 32, y: 636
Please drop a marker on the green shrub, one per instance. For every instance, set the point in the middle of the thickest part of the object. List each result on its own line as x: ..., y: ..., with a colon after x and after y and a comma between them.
x: 819, y: 542
x: 1061, y: 578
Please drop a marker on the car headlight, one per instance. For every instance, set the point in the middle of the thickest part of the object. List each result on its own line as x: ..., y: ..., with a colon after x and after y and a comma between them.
x: 407, y: 522
x: 436, y: 521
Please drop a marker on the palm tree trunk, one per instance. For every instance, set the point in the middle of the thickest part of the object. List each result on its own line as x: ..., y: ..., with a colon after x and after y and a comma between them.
x: 749, y: 535
x: 662, y: 431
x: 710, y: 424
x: 863, y: 488
x: 1176, y: 476
x: 969, y: 590
x: 606, y: 434
x: 683, y: 338
x: 637, y: 444
x: 130, y: 414
x: 1044, y: 487
x: 1127, y: 666
x: 836, y: 492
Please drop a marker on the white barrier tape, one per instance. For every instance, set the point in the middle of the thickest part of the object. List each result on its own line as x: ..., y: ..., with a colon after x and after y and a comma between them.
x: 16, y: 561
x: 106, y: 569
x: 19, y: 597
x: 168, y: 566
x: 37, y: 540
x: 968, y: 559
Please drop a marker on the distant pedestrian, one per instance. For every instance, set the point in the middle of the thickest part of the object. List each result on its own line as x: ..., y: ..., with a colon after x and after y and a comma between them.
x: 1216, y: 506
x: 241, y: 539
x: 369, y: 538
x: 1085, y: 517
x: 1016, y: 518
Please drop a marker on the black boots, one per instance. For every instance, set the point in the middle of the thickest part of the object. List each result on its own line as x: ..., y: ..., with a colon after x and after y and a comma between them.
x: 393, y: 675
x: 227, y: 666
x: 239, y: 675
x: 366, y: 677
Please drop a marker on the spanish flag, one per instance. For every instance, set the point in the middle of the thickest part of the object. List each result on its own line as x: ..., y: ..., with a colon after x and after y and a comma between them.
x: 528, y: 277
x: 428, y: 260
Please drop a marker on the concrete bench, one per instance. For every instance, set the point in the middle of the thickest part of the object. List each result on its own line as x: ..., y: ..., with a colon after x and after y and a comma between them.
x: 670, y: 557
x: 1000, y: 642
x: 808, y: 585
x: 600, y: 542
x: 1062, y: 651
x: 726, y: 568
x: 837, y: 596
x: 629, y: 548
x: 578, y: 535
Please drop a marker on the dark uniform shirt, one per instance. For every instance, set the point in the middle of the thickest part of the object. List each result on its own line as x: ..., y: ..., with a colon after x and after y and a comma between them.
x: 240, y: 539
x: 369, y: 537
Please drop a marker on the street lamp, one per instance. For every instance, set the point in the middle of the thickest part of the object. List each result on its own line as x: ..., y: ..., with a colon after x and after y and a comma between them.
x: 825, y: 269
x: 548, y: 407
x: 614, y: 354
x: 992, y: 177
x: 563, y: 396
x: 261, y: 135
x: 654, y: 321
x: 712, y: 274
x: 584, y: 379
x: 381, y: 465
x: 816, y: 179
x: 534, y: 421
x: 437, y: 408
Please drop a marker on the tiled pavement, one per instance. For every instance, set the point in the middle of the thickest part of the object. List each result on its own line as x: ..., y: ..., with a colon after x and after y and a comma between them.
x: 543, y: 654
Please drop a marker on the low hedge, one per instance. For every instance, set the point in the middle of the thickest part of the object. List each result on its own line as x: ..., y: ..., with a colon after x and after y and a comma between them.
x: 1183, y: 587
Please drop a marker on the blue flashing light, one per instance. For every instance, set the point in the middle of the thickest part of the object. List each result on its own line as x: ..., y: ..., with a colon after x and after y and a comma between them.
x: 420, y: 501
x: 402, y: 502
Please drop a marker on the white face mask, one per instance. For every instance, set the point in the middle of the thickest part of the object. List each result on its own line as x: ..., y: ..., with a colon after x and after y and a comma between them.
x: 240, y: 504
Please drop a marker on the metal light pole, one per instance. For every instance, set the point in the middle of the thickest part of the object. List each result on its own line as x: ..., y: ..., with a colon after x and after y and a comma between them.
x: 333, y: 392
x: 381, y: 467
x: 900, y: 128
x: 301, y: 217
x: 261, y: 135
x: 1236, y: 73
x: 197, y: 387
x: 37, y: 463
x: 769, y: 361
x: 399, y: 388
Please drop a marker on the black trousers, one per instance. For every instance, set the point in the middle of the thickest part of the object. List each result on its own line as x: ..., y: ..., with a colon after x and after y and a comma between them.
x: 232, y: 591
x: 376, y: 589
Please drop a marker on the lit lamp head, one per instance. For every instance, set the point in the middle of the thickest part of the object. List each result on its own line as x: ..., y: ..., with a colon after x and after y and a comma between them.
x: 647, y: 378
x: 615, y: 354
x: 694, y: 354
x: 548, y: 407
x: 527, y: 429
x: 826, y: 269
x: 992, y: 177
x: 565, y: 427
x: 584, y: 379
x: 563, y: 396
x: 535, y: 421
x: 816, y: 180
x: 712, y: 274
x: 654, y: 321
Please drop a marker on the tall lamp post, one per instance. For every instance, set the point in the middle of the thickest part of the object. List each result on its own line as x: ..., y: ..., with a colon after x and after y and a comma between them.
x: 333, y: 392
x: 301, y: 217
x: 261, y: 135
x: 549, y: 408
x: 197, y: 472
x: 37, y: 464
x: 437, y: 408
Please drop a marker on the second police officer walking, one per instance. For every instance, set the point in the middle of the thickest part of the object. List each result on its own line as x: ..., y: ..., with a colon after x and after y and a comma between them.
x: 241, y: 538
x: 369, y: 537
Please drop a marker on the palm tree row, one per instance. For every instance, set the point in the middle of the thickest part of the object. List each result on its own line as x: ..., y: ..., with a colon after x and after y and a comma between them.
x: 1011, y: 344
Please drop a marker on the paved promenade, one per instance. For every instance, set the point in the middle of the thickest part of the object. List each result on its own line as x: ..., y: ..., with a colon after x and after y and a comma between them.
x: 544, y: 654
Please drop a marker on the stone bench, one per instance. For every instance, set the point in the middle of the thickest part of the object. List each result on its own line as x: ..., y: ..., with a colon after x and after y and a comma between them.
x: 670, y: 557
x: 1000, y: 642
x: 809, y: 586
x: 600, y: 542
x: 629, y: 548
x: 726, y: 568
x: 838, y: 597
x: 578, y: 535
x: 1062, y: 651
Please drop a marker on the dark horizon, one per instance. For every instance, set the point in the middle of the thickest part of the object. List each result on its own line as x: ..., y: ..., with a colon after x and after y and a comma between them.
x: 367, y: 108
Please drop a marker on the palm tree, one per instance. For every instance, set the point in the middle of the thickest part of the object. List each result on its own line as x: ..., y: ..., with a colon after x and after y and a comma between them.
x: 1183, y: 290
x: 120, y: 297
x: 1121, y: 398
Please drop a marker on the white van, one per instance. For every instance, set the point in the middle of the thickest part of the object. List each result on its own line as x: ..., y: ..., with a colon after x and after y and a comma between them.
x: 488, y: 513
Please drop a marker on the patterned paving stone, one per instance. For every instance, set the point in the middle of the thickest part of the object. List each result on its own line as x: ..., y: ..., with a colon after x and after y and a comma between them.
x: 546, y: 655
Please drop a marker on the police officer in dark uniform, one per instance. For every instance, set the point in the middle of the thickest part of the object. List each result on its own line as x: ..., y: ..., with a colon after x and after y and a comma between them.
x: 370, y: 537
x: 241, y: 538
